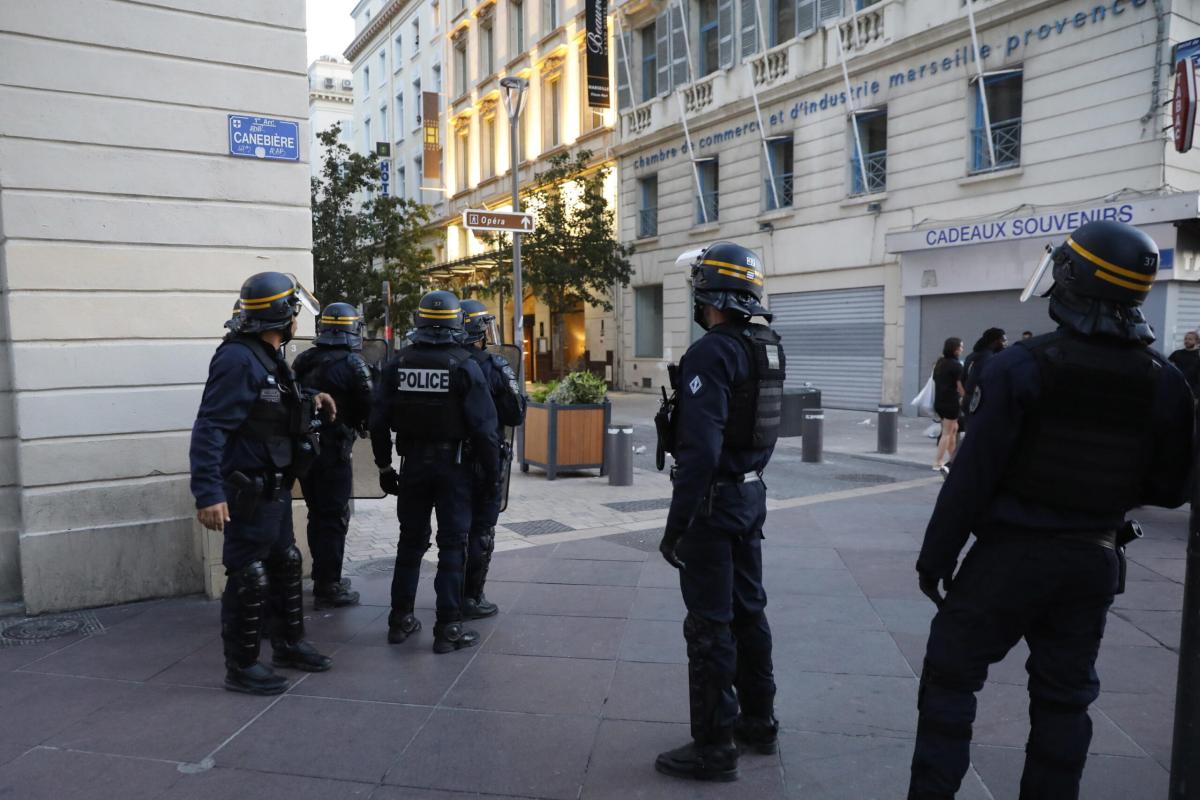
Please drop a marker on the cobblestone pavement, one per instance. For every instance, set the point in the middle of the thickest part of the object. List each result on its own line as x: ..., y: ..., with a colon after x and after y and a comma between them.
x: 578, y: 683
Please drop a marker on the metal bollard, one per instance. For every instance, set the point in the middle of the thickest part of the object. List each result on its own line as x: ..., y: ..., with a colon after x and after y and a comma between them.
x: 619, y: 447
x: 812, y: 422
x: 889, y: 425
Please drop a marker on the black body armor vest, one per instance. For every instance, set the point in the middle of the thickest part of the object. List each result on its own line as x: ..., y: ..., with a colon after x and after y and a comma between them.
x: 756, y: 408
x: 1086, y: 445
x: 508, y: 402
x: 312, y: 369
x: 425, y: 391
x: 275, y: 416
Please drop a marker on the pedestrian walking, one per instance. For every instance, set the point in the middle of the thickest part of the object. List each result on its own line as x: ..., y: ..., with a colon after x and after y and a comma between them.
x: 990, y: 342
x: 433, y: 396
x: 725, y: 424
x: 1187, y: 360
x: 480, y: 327
x: 334, y: 365
x: 252, y: 438
x: 1044, y: 482
x: 947, y: 400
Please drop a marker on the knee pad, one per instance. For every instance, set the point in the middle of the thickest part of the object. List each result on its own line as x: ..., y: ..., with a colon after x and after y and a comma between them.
x: 487, y: 540
x: 286, y: 561
x: 249, y: 582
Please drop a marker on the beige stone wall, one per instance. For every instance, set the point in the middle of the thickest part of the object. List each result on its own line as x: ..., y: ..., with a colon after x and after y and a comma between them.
x: 127, y: 231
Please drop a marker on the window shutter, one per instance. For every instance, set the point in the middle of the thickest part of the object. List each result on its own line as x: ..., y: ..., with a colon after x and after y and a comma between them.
x: 806, y: 16
x: 679, y: 53
x: 725, y: 32
x: 624, y: 98
x: 662, y: 48
x: 749, y: 27
x: 828, y: 9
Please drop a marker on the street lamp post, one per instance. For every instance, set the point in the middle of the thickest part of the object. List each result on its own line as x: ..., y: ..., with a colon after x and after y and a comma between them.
x: 514, y: 102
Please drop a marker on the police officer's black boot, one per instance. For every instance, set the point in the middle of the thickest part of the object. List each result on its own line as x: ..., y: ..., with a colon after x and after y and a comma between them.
x: 402, y: 623
x: 450, y: 636
x: 714, y: 758
x: 287, y: 616
x: 242, y: 609
x: 757, y: 734
x: 334, y: 595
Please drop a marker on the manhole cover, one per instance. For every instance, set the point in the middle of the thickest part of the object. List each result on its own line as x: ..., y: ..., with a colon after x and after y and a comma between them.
x: 22, y: 631
x: 646, y: 541
x: 630, y: 506
x: 864, y: 478
x: 537, y: 527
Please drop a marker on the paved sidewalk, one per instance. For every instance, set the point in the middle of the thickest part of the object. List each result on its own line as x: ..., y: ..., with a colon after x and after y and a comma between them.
x: 577, y: 685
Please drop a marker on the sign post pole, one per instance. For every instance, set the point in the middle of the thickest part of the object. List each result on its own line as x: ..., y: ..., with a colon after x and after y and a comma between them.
x: 514, y: 103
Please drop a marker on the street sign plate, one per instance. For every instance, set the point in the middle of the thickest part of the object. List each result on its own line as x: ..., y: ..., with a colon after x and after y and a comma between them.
x: 259, y: 137
x: 482, y: 220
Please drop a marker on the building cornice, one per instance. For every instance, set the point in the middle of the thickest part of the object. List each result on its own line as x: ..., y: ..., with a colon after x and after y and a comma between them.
x: 347, y: 99
x: 375, y: 27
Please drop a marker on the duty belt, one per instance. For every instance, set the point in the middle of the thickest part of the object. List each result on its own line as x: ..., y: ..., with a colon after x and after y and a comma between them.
x: 1103, y: 538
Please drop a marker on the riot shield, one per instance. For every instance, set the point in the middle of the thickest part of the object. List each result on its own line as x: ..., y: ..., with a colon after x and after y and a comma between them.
x: 512, y: 355
x: 366, y: 477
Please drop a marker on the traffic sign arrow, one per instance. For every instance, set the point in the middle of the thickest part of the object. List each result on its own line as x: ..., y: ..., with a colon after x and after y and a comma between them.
x: 483, y: 220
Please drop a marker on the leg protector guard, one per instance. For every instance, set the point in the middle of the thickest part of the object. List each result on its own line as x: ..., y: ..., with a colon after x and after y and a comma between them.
x: 243, y: 614
x: 285, y: 574
x: 710, y: 679
x: 479, y: 558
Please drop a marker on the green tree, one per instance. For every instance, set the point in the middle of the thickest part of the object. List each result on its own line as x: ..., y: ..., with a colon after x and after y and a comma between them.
x: 572, y: 256
x: 357, y: 243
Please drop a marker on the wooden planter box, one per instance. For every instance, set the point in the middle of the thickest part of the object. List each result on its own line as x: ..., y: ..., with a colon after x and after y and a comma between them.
x: 564, y: 437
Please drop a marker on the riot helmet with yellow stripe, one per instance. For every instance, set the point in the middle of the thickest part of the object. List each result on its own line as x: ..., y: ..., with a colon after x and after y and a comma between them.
x: 340, y: 325
x: 1102, y: 273
x: 438, y: 319
x: 270, y: 301
x: 728, y: 277
x: 477, y: 321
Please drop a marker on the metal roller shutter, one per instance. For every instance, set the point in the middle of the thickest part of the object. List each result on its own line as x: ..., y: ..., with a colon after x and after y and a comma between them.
x: 834, y: 340
x: 1187, y: 316
x: 967, y: 315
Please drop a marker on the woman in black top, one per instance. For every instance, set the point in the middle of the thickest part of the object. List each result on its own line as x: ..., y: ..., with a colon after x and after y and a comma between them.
x: 947, y: 398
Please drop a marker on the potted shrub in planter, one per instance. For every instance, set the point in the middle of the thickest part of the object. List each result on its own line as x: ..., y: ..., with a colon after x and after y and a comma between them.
x: 565, y: 424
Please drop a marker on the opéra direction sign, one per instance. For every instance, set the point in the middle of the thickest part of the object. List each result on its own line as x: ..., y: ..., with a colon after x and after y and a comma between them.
x: 497, y: 221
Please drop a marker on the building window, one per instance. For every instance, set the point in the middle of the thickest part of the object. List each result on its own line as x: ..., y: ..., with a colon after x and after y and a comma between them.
x: 366, y: 80
x: 418, y: 102
x: 647, y: 222
x: 368, y: 142
x: 782, y: 21
x: 649, y: 63
x: 709, y: 55
x: 416, y: 36
x: 779, y: 178
x: 383, y: 67
x: 872, y: 137
x: 550, y: 14
x: 419, y: 173
x: 648, y: 321
x: 670, y: 43
x: 401, y: 184
x: 397, y: 51
x: 707, y: 202
x: 460, y: 66
x: 552, y: 116
x: 812, y: 13
x: 400, y: 117
x: 437, y: 78
x: 1003, y: 91
x: 461, y: 154
x: 749, y: 27
x: 383, y: 123
x: 487, y: 146
x: 592, y: 118
x: 516, y: 10
x: 487, y: 50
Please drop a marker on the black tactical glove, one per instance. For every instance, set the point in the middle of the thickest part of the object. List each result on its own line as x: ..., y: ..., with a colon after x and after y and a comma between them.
x: 667, y: 547
x: 389, y: 481
x: 929, y: 587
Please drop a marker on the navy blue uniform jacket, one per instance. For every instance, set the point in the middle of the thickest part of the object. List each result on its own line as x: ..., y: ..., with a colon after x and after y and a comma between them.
x: 709, y: 370
x: 971, y: 500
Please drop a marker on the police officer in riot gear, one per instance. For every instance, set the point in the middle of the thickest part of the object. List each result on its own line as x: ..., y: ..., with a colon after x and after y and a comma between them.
x: 725, y: 424
x: 433, y: 396
x: 334, y: 366
x: 1069, y: 432
x: 486, y: 500
x: 252, y: 437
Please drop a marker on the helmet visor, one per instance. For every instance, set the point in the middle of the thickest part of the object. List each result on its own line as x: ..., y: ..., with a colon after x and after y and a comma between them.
x: 1042, y: 278
x: 305, y: 297
x: 492, y: 330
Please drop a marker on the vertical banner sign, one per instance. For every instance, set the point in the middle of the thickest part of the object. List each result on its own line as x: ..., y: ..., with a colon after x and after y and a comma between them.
x: 385, y: 175
x: 1183, y: 104
x: 597, y: 53
x: 432, y: 162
